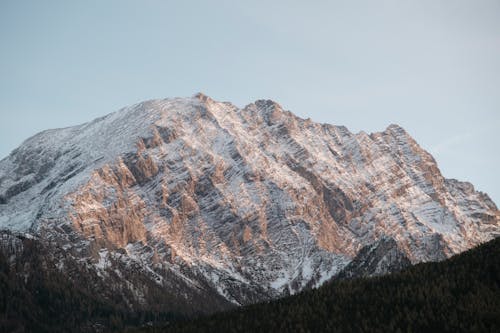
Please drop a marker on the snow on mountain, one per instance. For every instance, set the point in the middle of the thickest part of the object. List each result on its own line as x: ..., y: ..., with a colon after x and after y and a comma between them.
x: 248, y: 203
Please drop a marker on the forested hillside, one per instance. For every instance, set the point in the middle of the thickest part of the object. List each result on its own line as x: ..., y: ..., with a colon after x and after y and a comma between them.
x: 36, y: 297
x: 461, y: 294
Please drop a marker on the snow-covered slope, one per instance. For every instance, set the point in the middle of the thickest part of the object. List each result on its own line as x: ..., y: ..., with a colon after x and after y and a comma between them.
x: 249, y: 203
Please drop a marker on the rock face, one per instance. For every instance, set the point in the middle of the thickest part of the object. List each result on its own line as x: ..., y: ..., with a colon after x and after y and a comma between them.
x: 248, y: 204
x: 382, y: 257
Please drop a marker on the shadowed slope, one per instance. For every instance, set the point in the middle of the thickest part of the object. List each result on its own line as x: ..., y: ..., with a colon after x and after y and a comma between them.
x: 461, y: 294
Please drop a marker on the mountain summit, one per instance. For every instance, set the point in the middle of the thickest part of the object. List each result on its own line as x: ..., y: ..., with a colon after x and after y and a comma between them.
x: 208, y: 201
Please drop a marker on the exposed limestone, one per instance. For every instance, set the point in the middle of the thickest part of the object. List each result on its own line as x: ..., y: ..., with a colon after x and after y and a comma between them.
x: 248, y: 203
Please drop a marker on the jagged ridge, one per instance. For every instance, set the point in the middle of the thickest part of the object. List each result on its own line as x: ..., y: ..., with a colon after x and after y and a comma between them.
x: 252, y: 203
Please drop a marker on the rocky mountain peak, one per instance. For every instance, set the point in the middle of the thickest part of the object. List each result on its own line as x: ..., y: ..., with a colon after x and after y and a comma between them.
x: 203, y: 99
x: 248, y: 204
x: 267, y: 105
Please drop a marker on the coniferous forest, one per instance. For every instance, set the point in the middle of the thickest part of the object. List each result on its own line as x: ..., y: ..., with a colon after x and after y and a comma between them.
x: 461, y: 294
x: 37, y: 297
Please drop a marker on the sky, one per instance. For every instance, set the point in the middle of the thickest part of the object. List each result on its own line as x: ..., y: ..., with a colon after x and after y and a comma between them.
x: 430, y: 66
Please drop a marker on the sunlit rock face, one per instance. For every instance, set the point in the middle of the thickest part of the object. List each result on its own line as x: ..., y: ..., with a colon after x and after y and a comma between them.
x: 249, y: 204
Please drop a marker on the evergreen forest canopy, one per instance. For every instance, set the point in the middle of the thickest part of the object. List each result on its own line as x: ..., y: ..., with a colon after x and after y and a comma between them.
x: 461, y: 294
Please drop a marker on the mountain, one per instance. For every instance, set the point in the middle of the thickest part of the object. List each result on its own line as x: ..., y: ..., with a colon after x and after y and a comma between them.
x: 461, y: 294
x: 217, y: 206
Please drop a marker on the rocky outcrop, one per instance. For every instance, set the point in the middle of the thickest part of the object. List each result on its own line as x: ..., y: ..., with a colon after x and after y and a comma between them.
x: 249, y: 204
x: 380, y: 258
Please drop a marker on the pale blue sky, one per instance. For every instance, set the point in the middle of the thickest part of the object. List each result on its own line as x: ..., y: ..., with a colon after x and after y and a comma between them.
x: 431, y: 66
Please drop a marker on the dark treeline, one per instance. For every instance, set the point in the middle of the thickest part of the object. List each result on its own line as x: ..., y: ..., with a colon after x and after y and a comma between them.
x: 461, y: 294
x: 37, y: 297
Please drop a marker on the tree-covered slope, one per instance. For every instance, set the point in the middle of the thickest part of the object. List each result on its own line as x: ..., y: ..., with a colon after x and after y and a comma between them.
x: 461, y: 294
x: 35, y: 296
